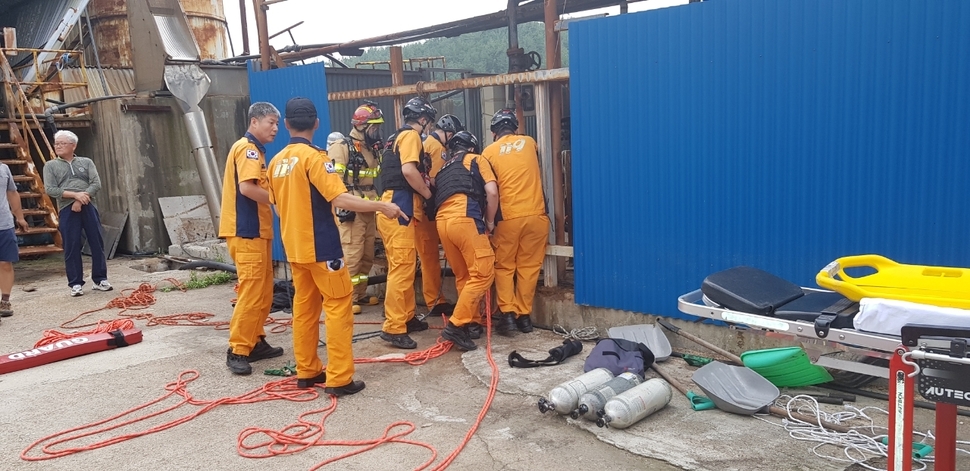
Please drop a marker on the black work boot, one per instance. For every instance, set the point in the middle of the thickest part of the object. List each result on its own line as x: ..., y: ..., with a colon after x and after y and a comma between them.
x: 474, y: 330
x: 445, y: 308
x: 238, y: 364
x: 353, y: 388
x: 504, y: 323
x: 524, y: 323
x: 416, y: 325
x: 305, y: 383
x: 458, y: 336
x: 264, y: 350
x: 399, y: 340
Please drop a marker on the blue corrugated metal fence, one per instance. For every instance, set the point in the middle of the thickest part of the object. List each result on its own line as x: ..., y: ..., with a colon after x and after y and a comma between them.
x: 279, y: 85
x: 780, y: 134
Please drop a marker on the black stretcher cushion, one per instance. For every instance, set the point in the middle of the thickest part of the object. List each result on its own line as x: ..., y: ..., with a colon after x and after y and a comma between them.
x: 808, y: 307
x: 748, y: 289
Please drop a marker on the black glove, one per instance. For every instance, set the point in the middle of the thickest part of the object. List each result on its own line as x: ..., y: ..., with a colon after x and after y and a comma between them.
x: 344, y: 215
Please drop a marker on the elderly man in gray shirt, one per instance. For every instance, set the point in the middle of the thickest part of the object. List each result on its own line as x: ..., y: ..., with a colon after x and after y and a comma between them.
x: 74, y: 181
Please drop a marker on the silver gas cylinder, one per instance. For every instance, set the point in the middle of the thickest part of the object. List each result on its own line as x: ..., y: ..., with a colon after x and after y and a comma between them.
x: 630, y: 406
x: 591, y: 403
x: 565, y: 397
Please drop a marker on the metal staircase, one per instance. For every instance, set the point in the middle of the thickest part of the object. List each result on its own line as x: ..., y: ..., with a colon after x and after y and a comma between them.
x: 20, y: 132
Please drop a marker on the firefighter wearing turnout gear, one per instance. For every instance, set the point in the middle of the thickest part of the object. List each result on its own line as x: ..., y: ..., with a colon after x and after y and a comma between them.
x: 521, y: 225
x: 425, y: 231
x: 466, y: 197
x: 246, y: 223
x: 304, y: 186
x: 405, y: 181
x: 355, y: 161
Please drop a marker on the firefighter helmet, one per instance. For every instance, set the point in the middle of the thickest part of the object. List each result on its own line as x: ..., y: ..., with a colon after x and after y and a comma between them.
x: 368, y: 113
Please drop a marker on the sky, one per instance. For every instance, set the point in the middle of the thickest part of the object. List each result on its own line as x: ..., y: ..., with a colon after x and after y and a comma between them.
x: 331, y: 21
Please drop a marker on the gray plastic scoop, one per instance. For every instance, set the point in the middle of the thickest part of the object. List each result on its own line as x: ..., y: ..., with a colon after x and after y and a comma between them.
x: 647, y: 334
x: 735, y: 389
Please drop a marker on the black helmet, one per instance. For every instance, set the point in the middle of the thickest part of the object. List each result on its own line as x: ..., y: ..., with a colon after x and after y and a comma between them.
x: 417, y: 107
x: 504, y: 118
x: 464, y: 140
x: 450, y: 123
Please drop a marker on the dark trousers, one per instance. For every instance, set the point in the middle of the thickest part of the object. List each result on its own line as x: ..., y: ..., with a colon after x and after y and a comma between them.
x: 71, y: 226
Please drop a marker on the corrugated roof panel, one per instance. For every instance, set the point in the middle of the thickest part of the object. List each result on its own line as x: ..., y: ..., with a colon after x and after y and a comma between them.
x: 779, y: 134
x: 279, y: 85
x: 119, y: 81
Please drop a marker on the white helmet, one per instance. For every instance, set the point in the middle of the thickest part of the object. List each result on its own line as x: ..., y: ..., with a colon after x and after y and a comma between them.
x: 334, y: 137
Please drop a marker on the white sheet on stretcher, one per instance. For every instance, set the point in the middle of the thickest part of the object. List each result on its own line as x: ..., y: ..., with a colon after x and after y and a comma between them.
x: 888, y: 316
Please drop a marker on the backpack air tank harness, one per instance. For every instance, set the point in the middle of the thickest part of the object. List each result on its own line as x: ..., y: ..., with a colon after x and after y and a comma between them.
x: 356, y: 168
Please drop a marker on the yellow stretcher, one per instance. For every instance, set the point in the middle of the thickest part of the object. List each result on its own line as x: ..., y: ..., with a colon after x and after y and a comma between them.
x: 939, y: 286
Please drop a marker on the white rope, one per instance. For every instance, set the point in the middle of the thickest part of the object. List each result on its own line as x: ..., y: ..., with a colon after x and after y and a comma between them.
x: 857, y: 448
x: 582, y: 333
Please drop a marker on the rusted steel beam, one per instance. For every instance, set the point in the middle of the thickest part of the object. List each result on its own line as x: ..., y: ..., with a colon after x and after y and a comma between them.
x: 420, y: 88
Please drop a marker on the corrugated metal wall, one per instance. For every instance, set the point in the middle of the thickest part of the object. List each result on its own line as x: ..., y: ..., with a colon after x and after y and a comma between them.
x: 780, y: 134
x: 340, y: 80
x: 279, y: 85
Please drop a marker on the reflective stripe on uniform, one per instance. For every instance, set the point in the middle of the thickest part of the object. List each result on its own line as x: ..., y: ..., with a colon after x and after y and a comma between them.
x: 341, y: 169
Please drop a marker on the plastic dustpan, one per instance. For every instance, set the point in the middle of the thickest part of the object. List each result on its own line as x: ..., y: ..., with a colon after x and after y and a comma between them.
x: 647, y: 334
x: 735, y: 389
x: 785, y: 367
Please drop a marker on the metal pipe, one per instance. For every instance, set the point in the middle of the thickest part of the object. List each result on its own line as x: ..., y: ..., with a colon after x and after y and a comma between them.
x: 535, y: 76
x: 262, y: 30
x: 397, y: 79
x: 245, y: 27
x: 97, y: 58
x: 513, y: 53
x: 553, y: 61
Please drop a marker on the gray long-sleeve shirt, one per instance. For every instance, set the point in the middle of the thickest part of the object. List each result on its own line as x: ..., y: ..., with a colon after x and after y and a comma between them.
x: 79, y: 174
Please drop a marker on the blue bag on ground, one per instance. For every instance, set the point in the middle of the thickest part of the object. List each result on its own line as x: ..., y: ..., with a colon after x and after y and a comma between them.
x: 619, y: 356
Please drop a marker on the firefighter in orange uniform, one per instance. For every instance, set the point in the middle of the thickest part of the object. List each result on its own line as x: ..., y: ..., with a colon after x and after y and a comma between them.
x: 246, y: 222
x: 466, y: 198
x: 355, y: 160
x: 425, y: 231
x: 304, y: 186
x: 521, y: 226
x: 404, y: 175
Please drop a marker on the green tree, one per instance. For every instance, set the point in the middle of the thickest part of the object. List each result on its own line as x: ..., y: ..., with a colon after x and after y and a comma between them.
x: 482, y: 52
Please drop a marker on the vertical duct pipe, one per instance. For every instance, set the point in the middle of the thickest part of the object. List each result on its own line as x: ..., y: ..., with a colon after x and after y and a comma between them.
x: 554, y: 61
x: 550, y: 272
x: 189, y: 84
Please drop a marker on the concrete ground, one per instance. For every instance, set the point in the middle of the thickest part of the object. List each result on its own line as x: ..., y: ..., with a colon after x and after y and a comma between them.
x: 441, y: 398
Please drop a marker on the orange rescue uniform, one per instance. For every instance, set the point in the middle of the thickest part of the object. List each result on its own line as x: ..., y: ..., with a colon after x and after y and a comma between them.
x: 399, y: 238
x: 461, y: 224
x: 521, y: 225
x: 302, y: 183
x: 247, y: 227
x: 426, y: 234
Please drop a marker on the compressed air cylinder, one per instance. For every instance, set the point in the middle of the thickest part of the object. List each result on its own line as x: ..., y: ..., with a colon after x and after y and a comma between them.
x: 565, y: 397
x: 591, y: 403
x: 629, y: 407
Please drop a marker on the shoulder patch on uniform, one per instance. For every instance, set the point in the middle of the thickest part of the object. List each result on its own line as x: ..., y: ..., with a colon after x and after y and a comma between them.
x: 252, y: 154
x: 329, y: 166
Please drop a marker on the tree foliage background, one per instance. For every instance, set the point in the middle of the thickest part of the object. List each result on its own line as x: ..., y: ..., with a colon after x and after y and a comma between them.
x: 482, y: 52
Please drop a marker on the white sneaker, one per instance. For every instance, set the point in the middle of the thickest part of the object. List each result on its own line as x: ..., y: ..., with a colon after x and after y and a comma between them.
x: 103, y: 286
x: 77, y: 290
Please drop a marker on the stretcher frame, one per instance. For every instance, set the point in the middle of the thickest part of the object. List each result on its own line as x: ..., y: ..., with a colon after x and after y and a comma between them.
x: 900, y: 373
